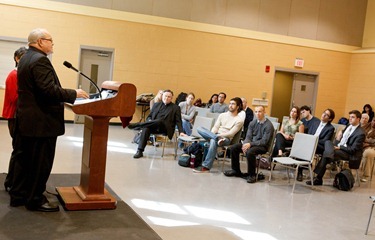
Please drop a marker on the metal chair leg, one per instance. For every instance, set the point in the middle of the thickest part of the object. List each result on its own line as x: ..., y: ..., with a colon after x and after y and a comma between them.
x: 369, y: 219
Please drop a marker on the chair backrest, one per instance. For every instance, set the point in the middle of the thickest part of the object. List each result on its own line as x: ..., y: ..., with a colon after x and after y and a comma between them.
x: 200, y: 121
x: 304, y: 146
x: 272, y: 141
x: 236, y: 138
x: 338, y: 128
x: 272, y: 119
x: 202, y: 111
x: 276, y: 125
x: 212, y: 115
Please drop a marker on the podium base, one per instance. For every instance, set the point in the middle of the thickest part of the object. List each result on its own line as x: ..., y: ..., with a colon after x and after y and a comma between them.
x: 71, y: 201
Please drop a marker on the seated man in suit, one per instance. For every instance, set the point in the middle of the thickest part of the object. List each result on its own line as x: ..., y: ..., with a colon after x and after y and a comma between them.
x: 163, y: 118
x: 220, y: 106
x: 248, y: 115
x: 325, y: 130
x: 349, y: 148
x: 257, y: 141
x: 226, y: 126
x: 308, y: 119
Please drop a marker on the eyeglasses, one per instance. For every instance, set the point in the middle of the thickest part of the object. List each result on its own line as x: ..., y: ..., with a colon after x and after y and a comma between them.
x: 47, y: 39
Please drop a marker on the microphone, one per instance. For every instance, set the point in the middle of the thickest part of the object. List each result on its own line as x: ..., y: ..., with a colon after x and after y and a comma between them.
x: 69, y: 65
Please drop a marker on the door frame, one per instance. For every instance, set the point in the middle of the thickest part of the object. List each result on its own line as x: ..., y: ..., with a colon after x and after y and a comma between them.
x: 98, y: 49
x: 298, y: 71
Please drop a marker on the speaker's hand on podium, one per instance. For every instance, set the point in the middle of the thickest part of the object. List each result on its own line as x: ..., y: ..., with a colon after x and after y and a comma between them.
x: 81, y: 94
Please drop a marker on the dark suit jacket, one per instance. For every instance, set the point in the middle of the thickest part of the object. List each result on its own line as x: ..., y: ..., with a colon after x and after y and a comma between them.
x: 40, y: 109
x: 326, y: 133
x: 171, y: 119
x: 354, y: 147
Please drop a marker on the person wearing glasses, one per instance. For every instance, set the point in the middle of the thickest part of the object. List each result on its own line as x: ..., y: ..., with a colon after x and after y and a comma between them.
x: 349, y: 146
x: 40, y: 119
x: 325, y: 130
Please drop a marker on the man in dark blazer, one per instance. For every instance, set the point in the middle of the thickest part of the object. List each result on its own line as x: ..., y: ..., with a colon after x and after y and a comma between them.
x: 249, y: 116
x: 350, y: 147
x: 324, y: 130
x: 40, y: 119
x: 163, y: 119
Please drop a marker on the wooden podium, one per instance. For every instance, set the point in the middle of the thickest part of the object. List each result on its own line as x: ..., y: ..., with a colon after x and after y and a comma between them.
x: 91, y: 193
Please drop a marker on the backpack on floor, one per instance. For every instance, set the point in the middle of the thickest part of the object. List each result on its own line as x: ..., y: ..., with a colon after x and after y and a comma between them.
x: 184, y: 160
x: 344, y: 180
x: 264, y: 162
x: 195, y: 149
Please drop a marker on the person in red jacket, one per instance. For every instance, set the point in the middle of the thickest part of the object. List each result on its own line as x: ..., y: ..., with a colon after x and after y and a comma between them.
x: 11, y: 95
x: 9, y: 110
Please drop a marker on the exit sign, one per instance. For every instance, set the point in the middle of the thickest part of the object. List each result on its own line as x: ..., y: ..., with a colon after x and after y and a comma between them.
x: 299, y: 62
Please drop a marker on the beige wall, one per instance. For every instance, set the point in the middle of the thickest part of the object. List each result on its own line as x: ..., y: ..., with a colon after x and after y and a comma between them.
x: 156, y: 57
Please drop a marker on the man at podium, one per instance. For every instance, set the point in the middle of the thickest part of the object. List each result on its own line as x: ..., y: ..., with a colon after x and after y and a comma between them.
x: 163, y: 118
x: 40, y: 119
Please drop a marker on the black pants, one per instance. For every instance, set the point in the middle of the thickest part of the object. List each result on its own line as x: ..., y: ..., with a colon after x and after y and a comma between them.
x: 330, y: 154
x: 148, y: 128
x: 280, y: 144
x: 12, y: 132
x: 32, y: 168
x: 251, y: 154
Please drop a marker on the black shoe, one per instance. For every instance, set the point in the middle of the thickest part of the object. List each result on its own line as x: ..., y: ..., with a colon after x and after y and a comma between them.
x: 317, y: 182
x: 261, y: 176
x: 232, y: 173
x: 17, y: 202
x: 300, y: 177
x: 46, y: 207
x: 252, y: 179
x: 139, y: 154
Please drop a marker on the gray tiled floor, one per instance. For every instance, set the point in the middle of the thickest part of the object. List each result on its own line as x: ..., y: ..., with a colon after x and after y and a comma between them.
x: 180, y: 204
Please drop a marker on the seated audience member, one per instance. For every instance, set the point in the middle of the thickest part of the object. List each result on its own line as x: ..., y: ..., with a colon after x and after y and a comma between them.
x: 325, y: 130
x: 198, y: 103
x: 157, y: 98
x: 368, y: 109
x: 220, y: 106
x: 213, y: 100
x: 307, y: 118
x: 257, y: 141
x: 221, y: 134
x: 364, y: 119
x: 349, y: 147
x: 248, y: 116
x: 368, y: 150
x: 187, y: 113
x: 163, y: 118
x: 289, y: 127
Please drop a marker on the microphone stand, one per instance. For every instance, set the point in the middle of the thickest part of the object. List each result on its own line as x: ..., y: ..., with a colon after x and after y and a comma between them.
x: 93, y: 83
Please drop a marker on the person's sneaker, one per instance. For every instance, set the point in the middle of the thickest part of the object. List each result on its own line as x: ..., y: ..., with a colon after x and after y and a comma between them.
x: 363, y: 180
x: 252, y: 179
x: 201, y: 169
x: 139, y: 154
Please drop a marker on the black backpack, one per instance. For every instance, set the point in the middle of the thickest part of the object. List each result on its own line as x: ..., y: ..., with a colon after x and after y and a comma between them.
x: 181, y: 97
x: 344, y: 180
x: 195, y: 149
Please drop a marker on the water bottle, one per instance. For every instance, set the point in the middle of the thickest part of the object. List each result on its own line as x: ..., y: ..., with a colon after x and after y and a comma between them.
x: 192, y: 161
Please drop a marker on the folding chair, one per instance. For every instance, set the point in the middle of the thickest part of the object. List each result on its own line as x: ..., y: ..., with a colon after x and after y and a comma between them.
x: 269, y: 150
x: 301, y: 155
x: 372, y: 207
x: 236, y: 139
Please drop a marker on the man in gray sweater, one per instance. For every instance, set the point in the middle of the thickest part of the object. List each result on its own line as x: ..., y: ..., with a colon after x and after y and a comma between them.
x: 258, y: 138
